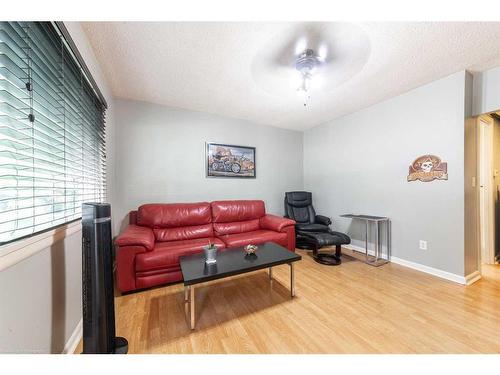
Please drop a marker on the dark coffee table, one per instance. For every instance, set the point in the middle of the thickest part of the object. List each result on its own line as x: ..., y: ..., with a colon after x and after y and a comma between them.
x: 233, y: 262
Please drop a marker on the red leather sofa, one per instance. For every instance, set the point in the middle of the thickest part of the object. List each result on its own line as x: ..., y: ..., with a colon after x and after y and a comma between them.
x: 158, y: 234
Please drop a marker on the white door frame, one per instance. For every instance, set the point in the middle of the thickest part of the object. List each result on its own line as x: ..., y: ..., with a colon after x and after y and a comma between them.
x: 486, y: 191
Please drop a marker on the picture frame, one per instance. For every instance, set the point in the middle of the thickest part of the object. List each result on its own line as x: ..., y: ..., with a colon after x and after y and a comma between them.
x: 230, y: 161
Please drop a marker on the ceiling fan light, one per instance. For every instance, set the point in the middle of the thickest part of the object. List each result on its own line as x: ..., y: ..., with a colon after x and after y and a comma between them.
x: 300, y: 46
x: 306, y: 64
x: 322, y: 52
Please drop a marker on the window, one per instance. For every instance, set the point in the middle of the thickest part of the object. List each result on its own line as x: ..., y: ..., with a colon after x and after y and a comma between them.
x: 52, y: 130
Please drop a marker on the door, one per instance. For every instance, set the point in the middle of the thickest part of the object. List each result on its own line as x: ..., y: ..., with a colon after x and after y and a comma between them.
x: 486, y: 190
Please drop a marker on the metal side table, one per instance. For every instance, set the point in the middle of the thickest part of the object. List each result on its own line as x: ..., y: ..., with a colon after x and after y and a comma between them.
x: 378, y: 258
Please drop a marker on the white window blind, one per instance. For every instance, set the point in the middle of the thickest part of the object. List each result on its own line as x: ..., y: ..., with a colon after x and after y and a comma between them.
x: 52, y: 132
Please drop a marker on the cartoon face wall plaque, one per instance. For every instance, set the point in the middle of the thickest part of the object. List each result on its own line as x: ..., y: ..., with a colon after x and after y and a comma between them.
x: 427, y: 168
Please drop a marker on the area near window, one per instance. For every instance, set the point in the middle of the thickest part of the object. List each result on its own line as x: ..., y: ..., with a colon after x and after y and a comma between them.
x: 52, y: 132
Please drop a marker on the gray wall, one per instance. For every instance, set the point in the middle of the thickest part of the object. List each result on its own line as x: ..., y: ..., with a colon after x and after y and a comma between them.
x: 359, y: 163
x: 487, y: 91
x: 471, y: 234
x: 161, y: 151
x: 40, y: 296
x: 41, y: 299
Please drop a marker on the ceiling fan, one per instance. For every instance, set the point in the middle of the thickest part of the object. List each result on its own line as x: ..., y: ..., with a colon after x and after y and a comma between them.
x: 306, y: 64
x: 311, y: 57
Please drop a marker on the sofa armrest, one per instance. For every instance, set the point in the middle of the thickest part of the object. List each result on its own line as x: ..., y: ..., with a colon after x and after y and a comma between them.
x: 135, y: 235
x: 320, y: 219
x: 125, y: 267
x: 276, y: 223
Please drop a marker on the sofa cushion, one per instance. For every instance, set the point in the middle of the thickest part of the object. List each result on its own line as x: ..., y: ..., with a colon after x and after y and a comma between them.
x: 166, y: 254
x: 236, y: 227
x: 183, y: 233
x: 255, y: 237
x: 172, y: 215
x: 233, y: 211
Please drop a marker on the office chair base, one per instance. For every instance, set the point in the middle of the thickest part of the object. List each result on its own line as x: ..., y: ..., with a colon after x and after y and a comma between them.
x: 327, y: 259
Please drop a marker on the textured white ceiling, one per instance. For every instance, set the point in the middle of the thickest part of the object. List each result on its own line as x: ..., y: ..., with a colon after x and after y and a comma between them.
x: 221, y: 67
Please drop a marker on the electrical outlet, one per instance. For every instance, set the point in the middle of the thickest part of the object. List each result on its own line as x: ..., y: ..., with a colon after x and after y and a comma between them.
x: 422, y: 245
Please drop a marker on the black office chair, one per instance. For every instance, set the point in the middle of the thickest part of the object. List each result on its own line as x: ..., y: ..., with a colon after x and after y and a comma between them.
x: 313, y: 231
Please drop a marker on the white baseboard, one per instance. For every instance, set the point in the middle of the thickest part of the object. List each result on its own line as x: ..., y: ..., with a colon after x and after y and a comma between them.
x: 74, y: 339
x: 422, y: 268
x: 473, y: 277
x: 430, y: 270
x: 359, y: 249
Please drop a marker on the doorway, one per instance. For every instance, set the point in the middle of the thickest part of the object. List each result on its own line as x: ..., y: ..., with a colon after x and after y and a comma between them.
x: 488, y: 128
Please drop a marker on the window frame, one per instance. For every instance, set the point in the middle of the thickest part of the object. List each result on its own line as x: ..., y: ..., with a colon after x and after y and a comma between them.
x: 19, y: 249
x: 11, y: 252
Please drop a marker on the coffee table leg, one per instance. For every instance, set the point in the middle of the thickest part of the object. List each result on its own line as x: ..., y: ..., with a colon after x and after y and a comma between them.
x: 271, y: 273
x: 292, y: 281
x: 186, y: 293
x: 191, y: 288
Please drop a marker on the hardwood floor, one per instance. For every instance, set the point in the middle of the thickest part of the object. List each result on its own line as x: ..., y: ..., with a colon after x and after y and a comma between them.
x: 353, y: 308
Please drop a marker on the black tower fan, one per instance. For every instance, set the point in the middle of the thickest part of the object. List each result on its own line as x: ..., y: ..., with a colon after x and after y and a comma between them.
x: 98, y: 292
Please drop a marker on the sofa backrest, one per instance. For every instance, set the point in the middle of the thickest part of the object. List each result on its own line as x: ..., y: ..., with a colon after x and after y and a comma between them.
x: 239, y: 216
x: 177, y: 221
x: 132, y: 217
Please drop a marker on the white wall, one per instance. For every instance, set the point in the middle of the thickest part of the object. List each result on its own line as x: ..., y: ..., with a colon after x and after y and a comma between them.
x: 486, y: 91
x: 359, y: 164
x: 161, y: 150
x: 40, y: 297
x: 471, y: 202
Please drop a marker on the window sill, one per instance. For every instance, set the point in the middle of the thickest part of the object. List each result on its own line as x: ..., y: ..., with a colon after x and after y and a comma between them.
x: 17, y: 251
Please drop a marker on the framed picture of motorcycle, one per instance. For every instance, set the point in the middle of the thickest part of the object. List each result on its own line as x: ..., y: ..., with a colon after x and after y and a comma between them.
x: 230, y: 161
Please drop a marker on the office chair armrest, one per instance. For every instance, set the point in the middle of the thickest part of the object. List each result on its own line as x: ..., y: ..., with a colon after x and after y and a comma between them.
x: 136, y: 235
x: 276, y: 223
x: 320, y: 219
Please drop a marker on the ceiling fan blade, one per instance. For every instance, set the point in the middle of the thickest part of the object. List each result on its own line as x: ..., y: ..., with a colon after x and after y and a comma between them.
x: 300, y: 38
x: 342, y: 50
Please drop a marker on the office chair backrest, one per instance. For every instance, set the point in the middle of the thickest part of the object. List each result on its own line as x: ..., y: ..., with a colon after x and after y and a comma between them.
x: 298, y: 206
